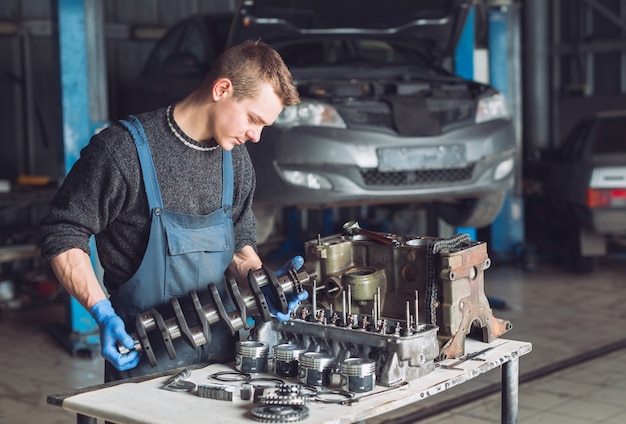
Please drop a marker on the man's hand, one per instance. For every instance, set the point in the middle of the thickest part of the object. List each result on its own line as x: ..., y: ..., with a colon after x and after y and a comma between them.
x: 296, y: 262
x: 112, y: 330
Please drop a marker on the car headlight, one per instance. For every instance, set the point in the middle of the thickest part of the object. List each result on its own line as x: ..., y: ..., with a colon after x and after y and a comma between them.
x: 310, y: 113
x: 307, y: 179
x: 492, y: 107
x: 503, y: 169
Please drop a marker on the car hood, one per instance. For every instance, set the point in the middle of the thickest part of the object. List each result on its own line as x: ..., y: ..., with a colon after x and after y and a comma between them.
x: 432, y: 26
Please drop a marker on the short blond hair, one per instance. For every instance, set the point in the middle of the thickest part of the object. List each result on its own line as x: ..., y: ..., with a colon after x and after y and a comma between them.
x: 249, y: 63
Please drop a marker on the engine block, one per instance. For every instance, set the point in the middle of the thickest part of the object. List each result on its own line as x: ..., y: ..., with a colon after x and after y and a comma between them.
x: 400, y: 354
x: 440, y: 280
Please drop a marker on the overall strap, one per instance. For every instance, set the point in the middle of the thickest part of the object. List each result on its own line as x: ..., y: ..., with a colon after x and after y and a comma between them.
x: 145, y: 159
x: 228, y: 178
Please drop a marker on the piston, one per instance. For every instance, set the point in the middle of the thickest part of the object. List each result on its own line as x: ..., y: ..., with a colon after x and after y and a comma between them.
x: 286, y: 361
x: 316, y: 368
x: 251, y: 356
x: 358, y: 375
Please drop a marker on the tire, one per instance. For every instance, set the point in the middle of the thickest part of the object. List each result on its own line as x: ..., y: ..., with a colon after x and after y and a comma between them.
x: 265, y: 220
x: 474, y: 212
x: 577, y: 261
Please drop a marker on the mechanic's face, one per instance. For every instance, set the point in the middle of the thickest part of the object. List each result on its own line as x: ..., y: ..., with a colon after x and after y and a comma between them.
x: 239, y: 121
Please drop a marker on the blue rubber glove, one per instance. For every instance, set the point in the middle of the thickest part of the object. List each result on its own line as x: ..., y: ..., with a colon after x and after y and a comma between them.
x: 112, y: 330
x: 293, y: 302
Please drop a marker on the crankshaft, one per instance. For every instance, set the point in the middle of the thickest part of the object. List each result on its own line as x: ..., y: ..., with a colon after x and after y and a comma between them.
x: 252, y: 302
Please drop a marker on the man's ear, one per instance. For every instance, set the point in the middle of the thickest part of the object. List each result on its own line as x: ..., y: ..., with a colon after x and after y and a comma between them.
x: 222, y: 88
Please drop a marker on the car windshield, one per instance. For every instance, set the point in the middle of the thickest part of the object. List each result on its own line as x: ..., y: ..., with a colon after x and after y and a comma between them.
x: 348, y: 51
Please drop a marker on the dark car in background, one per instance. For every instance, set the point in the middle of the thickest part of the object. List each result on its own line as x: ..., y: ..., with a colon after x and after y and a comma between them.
x: 585, y: 190
x: 178, y: 62
x: 381, y: 121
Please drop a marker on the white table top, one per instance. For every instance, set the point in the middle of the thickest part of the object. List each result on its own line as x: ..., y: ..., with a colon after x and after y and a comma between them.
x: 147, y: 402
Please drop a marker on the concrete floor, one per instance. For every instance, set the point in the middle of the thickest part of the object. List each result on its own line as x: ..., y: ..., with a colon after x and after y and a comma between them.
x: 576, y: 372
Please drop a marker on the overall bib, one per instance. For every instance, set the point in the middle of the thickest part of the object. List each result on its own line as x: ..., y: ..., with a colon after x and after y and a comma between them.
x: 184, y: 253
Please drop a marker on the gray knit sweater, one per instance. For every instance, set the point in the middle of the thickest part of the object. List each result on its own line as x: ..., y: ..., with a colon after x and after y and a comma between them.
x: 104, y: 195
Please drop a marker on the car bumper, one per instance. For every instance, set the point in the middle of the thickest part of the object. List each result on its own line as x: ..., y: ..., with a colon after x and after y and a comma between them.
x: 609, y: 221
x: 348, y: 160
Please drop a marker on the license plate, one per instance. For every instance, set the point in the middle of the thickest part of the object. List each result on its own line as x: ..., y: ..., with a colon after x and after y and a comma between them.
x: 421, y: 158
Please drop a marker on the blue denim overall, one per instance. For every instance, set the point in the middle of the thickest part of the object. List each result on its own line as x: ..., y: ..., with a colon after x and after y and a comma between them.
x: 184, y: 253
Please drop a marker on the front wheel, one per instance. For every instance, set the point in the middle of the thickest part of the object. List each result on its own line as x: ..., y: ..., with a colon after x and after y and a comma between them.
x: 475, y: 212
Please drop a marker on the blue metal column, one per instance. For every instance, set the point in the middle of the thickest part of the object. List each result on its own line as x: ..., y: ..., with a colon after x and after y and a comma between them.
x: 464, y: 67
x: 80, y: 332
x: 464, y: 52
x: 507, y: 231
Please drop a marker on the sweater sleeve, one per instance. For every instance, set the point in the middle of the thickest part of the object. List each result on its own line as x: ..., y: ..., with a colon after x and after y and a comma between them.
x: 88, y: 200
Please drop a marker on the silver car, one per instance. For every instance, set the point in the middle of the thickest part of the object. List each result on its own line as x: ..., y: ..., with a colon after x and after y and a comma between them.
x: 380, y: 121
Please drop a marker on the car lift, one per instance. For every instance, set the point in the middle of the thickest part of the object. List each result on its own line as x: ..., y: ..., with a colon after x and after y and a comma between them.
x: 504, y: 16
x: 84, y: 107
x: 507, y: 231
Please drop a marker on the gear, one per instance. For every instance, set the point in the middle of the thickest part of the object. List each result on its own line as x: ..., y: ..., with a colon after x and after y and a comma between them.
x: 280, y: 413
x: 276, y: 399
x: 289, y: 390
x: 287, y: 394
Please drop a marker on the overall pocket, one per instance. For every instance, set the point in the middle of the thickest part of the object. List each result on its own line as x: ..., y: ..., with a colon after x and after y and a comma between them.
x: 195, y: 258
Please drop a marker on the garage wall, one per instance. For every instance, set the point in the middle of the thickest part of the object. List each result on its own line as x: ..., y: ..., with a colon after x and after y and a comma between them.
x: 588, y: 60
x: 29, y: 98
x: 29, y: 74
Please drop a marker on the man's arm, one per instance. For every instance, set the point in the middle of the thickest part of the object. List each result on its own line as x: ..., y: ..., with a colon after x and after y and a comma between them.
x: 75, y: 272
x: 243, y: 261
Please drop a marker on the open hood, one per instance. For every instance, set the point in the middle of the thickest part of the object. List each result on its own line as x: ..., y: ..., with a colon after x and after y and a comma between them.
x: 433, y: 26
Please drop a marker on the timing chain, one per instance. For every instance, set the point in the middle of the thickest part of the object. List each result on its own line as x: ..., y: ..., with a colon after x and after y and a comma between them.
x: 431, y: 276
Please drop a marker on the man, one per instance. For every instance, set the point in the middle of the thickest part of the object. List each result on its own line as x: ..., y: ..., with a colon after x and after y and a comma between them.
x: 168, y: 196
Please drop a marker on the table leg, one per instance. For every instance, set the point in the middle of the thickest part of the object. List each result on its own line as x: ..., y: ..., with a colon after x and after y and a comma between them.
x: 84, y: 419
x: 510, y: 391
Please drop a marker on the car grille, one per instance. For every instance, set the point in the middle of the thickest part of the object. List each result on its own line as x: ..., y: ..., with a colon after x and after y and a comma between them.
x: 379, y: 114
x: 375, y: 178
x: 378, y: 117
